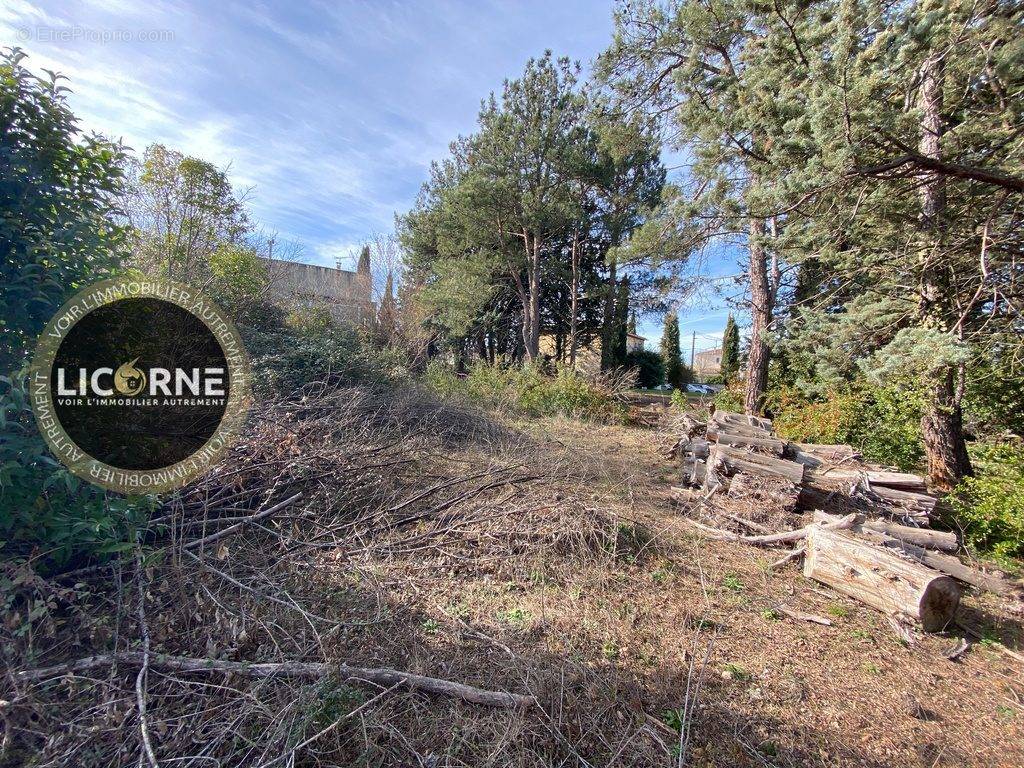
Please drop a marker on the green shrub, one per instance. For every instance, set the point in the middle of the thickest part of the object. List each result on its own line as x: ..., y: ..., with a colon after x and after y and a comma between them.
x: 649, y: 367
x: 529, y: 390
x: 46, y: 513
x: 881, y: 422
x: 989, y: 507
x: 730, y: 398
x: 679, y: 399
x: 285, y: 360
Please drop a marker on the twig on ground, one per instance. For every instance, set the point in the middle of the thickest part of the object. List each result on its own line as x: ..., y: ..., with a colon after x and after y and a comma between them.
x: 299, y: 669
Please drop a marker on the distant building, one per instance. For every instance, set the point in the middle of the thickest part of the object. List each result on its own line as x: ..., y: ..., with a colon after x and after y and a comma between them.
x: 708, y: 363
x: 635, y: 342
x: 346, y: 294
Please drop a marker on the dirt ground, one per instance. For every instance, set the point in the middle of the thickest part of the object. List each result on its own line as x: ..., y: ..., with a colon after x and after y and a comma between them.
x: 563, y: 571
x: 778, y: 691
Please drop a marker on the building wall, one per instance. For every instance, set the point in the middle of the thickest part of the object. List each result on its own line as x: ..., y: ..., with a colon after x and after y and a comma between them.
x: 708, y: 363
x: 346, y: 294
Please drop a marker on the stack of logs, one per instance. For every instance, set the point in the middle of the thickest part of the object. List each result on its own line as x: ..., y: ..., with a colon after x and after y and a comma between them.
x: 869, y: 536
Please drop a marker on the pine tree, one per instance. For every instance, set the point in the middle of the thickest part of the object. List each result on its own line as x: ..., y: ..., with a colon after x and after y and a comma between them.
x: 621, y: 324
x: 670, y: 351
x: 730, y: 349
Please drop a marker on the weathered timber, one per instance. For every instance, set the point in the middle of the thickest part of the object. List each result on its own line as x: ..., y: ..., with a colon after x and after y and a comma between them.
x: 771, y: 444
x: 920, y: 502
x: 714, y: 425
x: 879, y: 578
x: 734, y: 460
x: 947, y: 564
x: 699, y: 448
x: 828, y: 453
x: 922, y: 537
x: 903, y: 481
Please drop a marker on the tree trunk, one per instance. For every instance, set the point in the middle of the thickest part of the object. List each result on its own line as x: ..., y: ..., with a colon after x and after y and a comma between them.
x: 608, y: 320
x: 761, y: 306
x: 880, y: 579
x: 574, y: 304
x: 942, y: 420
x: 533, y: 338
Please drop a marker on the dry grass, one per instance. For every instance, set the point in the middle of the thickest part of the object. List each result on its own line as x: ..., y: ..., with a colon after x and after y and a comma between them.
x: 542, y: 558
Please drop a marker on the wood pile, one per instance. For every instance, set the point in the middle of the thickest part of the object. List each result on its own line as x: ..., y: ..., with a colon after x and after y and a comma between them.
x: 865, y: 531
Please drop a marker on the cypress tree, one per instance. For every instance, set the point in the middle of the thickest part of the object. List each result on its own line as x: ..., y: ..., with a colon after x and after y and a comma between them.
x: 670, y: 351
x: 730, y: 349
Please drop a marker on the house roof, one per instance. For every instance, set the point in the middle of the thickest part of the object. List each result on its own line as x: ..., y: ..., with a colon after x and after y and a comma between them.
x: 636, y: 336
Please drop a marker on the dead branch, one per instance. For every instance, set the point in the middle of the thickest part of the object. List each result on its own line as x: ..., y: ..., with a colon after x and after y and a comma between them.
x: 295, y: 669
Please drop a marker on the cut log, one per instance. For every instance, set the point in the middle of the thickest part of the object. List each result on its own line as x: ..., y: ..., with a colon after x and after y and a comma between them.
x: 920, y: 503
x: 699, y: 448
x: 880, y: 579
x: 734, y: 460
x: 737, y: 429
x: 770, y: 444
x: 922, y: 537
x: 903, y: 481
x: 828, y: 453
x: 947, y: 564
x: 688, y: 426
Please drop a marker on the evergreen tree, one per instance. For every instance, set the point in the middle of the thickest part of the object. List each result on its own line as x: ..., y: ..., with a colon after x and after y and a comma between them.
x: 621, y: 324
x: 730, y: 349
x: 670, y: 355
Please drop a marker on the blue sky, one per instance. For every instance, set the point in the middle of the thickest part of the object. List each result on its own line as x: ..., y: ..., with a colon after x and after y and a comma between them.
x: 329, y: 112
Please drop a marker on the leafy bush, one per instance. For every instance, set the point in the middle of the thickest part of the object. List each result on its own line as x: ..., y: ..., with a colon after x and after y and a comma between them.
x: 679, y: 399
x: 881, y: 422
x: 58, y: 199
x: 649, y: 367
x: 285, y: 360
x: 46, y: 513
x: 530, y: 391
x: 730, y: 398
x: 989, y: 507
x: 239, y: 283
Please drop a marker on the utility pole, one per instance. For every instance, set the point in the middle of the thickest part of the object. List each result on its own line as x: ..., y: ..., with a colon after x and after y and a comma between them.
x: 693, y: 345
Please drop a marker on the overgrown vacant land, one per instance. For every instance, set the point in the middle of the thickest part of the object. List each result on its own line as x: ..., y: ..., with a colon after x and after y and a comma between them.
x: 453, y: 532
x: 545, y: 559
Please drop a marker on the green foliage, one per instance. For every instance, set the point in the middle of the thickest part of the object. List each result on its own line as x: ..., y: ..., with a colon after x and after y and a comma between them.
x: 181, y: 210
x: 529, y: 390
x: 58, y: 200
x: 730, y: 349
x: 285, y: 360
x: 679, y: 399
x: 989, y: 507
x: 239, y: 283
x: 994, y: 400
x: 881, y: 422
x: 333, y: 701
x: 730, y: 398
x: 46, y: 513
x: 650, y: 371
x: 670, y: 354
